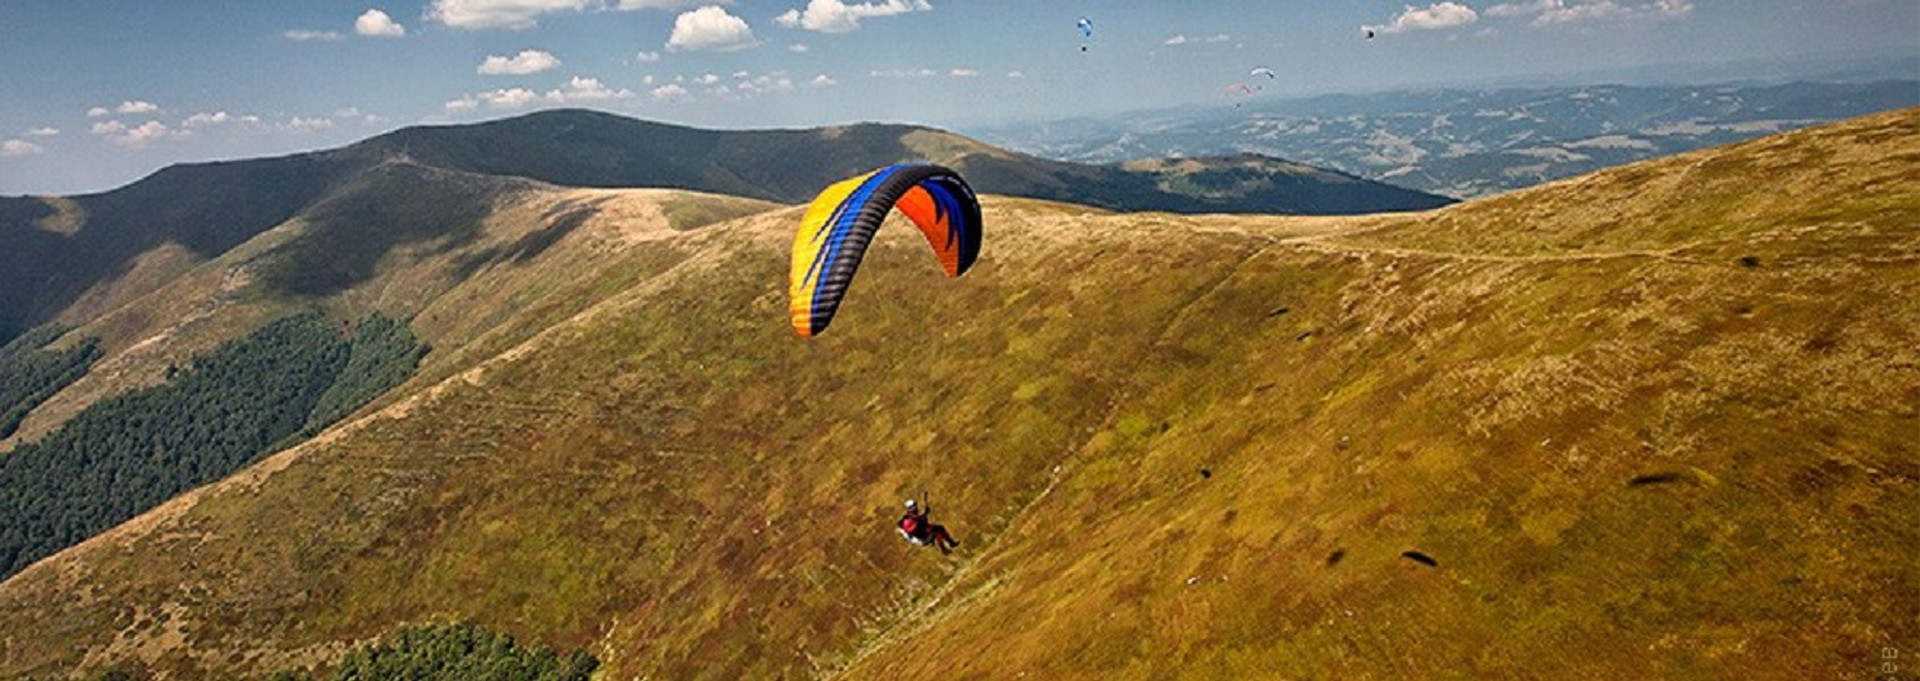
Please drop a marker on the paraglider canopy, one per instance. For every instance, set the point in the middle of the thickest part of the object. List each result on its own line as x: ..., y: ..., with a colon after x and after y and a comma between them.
x: 839, y: 224
x: 1262, y: 71
x: 1086, y: 31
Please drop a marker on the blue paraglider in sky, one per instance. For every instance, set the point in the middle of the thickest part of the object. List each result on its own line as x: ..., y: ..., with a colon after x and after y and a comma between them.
x: 1086, y: 31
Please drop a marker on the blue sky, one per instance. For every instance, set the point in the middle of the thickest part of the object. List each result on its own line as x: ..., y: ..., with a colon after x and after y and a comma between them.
x: 101, y: 92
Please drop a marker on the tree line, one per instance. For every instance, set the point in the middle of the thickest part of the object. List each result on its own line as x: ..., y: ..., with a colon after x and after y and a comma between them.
x: 223, y: 411
x: 30, y: 372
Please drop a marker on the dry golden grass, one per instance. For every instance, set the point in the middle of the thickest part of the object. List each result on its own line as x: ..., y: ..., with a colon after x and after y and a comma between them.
x: 1653, y: 423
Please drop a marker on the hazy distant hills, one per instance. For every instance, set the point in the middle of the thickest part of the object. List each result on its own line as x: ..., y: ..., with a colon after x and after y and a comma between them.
x: 589, y: 149
x: 1658, y: 415
x: 1467, y: 143
x: 61, y: 250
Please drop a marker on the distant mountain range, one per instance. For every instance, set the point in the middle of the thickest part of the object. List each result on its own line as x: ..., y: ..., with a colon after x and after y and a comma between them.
x: 59, y: 249
x: 1466, y: 143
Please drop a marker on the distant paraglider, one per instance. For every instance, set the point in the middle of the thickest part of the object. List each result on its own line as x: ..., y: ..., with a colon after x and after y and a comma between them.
x: 1262, y: 71
x: 841, y: 221
x: 1367, y: 31
x: 1086, y: 32
x: 1238, y: 89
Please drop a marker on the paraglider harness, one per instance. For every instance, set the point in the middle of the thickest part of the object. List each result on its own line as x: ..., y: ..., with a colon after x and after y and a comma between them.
x: 915, y: 528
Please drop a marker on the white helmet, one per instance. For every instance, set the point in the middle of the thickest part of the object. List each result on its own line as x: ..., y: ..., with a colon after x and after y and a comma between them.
x: 910, y: 504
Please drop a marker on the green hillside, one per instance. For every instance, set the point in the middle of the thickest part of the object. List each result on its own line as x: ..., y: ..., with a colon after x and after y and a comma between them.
x: 126, y: 454
x: 1654, y: 422
x: 73, y: 259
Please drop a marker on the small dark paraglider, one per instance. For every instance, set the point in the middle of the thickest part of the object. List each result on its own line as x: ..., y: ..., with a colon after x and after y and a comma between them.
x: 1420, y: 558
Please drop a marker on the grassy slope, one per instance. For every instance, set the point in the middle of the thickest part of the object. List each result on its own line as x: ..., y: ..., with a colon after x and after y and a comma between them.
x: 675, y: 480
x: 1483, y: 385
x: 370, y: 245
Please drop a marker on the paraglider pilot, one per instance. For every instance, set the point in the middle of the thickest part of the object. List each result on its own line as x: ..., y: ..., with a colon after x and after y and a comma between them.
x: 922, y: 532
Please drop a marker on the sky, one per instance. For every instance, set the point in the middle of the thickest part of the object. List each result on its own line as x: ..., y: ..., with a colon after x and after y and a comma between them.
x: 99, y: 93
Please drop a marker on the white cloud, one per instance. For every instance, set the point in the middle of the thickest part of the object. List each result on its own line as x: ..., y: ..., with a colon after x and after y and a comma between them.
x: 508, y: 14
x: 963, y: 73
x: 139, y: 137
x: 512, y: 98
x: 1433, y: 17
x: 508, y: 98
x: 822, y: 80
x: 136, y: 107
x: 98, y: 111
x: 798, y: 48
x: 376, y: 23
x: 836, y: 16
x: 1587, y: 11
x: 150, y: 130
x: 354, y: 113
x: 1672, y: 9
x: 671, y: 92
x: 766, y: 83
x: 528, y: 61
x: 47, y: 131
x: 581, y: 89
x: 1552, y: 12
x: 19, y: 148
x: 646, y: 79
x: 131, y: 138
x: 646, y: 57
x: 710, y: 28
x: 203, y: 119
x: 626, y: 5
x: 303, y: 35
x: 313, y: 124
x: 707, y: 79
x: 1182, y: 39
x: 1514, y: 9
x: 903, y: 73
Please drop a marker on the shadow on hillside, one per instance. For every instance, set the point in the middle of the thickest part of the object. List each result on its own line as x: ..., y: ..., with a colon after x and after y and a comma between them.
x: 348, y: 234
x: 562, y: 219
x: 206, y: 208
